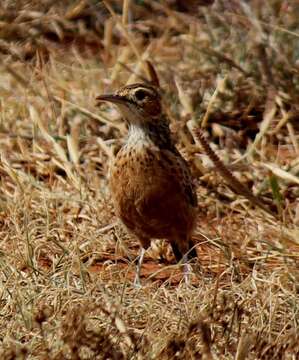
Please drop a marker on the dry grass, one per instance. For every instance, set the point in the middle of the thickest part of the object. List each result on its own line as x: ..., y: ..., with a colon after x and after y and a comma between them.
x: 66, y: 264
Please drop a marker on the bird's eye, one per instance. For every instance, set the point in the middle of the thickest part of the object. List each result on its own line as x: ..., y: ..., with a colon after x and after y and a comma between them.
x: 140, y: 94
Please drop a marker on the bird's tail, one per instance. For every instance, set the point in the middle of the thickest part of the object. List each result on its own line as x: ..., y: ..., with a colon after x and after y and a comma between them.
x: 192, y: 254
x: 178, y: 253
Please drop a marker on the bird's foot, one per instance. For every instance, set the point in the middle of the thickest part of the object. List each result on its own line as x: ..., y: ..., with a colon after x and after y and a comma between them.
x: 137, y: 282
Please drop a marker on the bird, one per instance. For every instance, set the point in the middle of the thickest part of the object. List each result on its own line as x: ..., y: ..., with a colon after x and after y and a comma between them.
x: 150, y: 182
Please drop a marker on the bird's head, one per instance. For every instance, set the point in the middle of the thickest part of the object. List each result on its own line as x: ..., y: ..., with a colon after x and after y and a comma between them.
x: 138, y: 103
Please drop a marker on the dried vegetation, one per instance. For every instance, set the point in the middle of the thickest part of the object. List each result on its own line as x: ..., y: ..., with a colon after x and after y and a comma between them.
x: 66, y: 265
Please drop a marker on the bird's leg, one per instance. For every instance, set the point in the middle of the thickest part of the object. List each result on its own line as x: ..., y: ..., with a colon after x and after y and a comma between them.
x: 187, y: 269
x: 137, y: 282
x: 182, y: 253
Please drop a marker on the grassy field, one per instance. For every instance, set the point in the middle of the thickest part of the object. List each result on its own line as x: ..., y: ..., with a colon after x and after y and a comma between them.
x: 67, y: 265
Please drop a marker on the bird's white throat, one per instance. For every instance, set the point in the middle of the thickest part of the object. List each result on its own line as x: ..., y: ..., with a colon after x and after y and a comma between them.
x: 137, y: 137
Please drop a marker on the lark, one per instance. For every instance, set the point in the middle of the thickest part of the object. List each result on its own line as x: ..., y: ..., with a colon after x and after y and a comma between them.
x: 150, y: 182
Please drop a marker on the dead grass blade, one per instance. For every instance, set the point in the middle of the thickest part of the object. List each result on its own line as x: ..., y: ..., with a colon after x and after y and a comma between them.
x: 282, y: 174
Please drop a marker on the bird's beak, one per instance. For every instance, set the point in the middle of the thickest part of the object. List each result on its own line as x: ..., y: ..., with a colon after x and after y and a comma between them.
x: 116, y: 99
